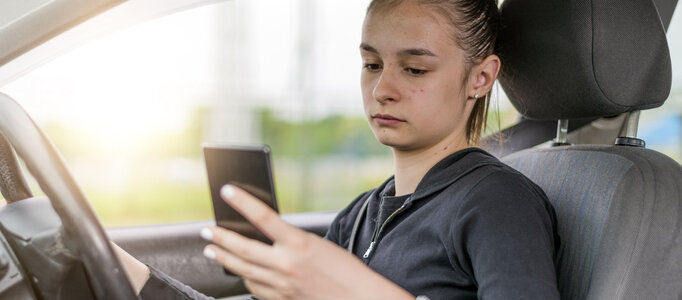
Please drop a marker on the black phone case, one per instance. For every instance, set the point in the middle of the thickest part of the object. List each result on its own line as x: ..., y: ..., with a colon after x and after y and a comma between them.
x: 247, y: 167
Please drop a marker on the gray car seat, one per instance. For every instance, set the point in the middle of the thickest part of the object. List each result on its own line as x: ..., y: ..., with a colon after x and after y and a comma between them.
x: 619, y: 206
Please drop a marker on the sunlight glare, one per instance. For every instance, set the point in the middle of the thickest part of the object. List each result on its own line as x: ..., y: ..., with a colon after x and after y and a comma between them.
x: 123, y: 88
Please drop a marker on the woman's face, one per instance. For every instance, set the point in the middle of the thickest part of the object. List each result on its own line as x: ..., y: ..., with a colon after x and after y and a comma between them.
x: 413, y: 86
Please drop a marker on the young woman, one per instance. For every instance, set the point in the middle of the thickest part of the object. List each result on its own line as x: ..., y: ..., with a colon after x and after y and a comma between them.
x: 452, y: 223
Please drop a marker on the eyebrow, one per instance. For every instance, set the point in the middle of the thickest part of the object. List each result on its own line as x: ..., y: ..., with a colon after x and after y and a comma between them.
x: 368, y: 48
x: 416, y: 52
x: 404, y: 52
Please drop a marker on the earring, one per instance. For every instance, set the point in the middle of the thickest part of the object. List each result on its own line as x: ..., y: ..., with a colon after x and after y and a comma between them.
x: 476, y: 96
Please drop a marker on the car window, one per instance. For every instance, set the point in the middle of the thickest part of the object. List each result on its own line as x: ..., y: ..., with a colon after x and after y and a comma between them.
x: 130, y: 110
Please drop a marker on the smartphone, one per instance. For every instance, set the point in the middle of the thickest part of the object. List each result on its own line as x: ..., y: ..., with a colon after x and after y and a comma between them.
x: 247, y: 167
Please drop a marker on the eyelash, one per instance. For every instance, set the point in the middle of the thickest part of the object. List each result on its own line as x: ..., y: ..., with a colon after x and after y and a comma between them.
x: 372, y: 67
x: 411, y: 71
x: 416, y: 72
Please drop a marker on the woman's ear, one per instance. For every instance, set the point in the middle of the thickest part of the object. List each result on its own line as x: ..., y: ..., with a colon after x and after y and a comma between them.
x: 483, y: 76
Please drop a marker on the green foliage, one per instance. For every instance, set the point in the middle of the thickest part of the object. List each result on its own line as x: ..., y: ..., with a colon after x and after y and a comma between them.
x: 320, y: 163
x: 146, y: 196
x: 332, y: 135
x: 152, y: 202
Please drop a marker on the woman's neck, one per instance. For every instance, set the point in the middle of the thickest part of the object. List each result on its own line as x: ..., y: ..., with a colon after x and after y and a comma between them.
x: 411, y: 166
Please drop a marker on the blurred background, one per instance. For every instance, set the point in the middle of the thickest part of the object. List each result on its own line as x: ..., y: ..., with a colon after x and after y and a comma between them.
x: 130, y: 110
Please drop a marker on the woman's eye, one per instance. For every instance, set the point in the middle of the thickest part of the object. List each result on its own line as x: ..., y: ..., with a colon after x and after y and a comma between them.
x: 414, y: 71
x: 373, y: 67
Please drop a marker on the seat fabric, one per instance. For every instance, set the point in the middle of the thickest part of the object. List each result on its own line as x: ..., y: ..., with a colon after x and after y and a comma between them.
x: 619, y: 213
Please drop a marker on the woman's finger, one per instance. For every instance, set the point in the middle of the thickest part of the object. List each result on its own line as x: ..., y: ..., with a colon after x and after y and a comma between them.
x: 245, y: 248
x: 238, y: 266
x: 259, y: 214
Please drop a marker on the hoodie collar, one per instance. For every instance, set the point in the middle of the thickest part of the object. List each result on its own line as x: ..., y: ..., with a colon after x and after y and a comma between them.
x: 445, y: 172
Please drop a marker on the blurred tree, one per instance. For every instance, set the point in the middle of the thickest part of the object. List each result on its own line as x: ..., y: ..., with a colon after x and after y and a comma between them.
x: 331, y: 135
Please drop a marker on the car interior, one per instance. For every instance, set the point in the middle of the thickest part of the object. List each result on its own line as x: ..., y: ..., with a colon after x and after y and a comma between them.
x: 569, y: 66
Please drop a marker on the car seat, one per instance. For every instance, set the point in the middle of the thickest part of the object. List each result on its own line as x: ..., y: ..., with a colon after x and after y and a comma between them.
x: 618, y: 206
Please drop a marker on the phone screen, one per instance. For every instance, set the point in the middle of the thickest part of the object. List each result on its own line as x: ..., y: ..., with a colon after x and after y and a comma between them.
x: 247, y: 167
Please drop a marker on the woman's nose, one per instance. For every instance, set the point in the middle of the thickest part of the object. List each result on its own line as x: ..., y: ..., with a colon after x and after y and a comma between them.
x: 385, y: 89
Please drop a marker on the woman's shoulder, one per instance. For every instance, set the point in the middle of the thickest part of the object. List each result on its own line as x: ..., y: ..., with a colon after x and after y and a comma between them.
x: 471, y: 168
x: 503, y: 179
x: 494, y: 176
x: 498, y: 192
x: 489, y: 184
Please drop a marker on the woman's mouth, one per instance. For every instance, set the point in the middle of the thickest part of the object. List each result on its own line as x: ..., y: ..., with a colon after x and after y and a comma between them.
x: 386, y: 119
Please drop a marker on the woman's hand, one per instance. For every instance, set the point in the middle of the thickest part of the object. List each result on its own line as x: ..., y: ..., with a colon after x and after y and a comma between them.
x: 299, y: 265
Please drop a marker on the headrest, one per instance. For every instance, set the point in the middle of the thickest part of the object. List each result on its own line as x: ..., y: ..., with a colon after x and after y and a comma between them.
x: 583, y: 58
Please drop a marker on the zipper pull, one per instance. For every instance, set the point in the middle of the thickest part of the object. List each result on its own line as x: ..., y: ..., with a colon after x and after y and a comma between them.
x: 369, y: 250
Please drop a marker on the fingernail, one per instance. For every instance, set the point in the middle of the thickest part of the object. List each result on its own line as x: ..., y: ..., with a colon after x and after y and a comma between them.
x: 206, y: 234
x: 227, y: 191
x: 210, y: 254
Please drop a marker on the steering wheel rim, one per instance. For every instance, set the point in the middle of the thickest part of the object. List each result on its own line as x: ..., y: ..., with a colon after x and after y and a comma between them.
x: 47, y: 166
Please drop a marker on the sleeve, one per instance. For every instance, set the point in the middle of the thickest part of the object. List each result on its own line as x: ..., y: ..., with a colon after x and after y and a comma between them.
x: 161, y: 286
x: 505, y: 238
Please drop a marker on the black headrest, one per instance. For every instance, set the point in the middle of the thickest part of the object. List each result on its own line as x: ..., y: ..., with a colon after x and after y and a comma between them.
x: 570, y: 59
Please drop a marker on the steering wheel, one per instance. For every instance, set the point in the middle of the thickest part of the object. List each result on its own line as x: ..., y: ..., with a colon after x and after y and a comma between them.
x: 19, y: 132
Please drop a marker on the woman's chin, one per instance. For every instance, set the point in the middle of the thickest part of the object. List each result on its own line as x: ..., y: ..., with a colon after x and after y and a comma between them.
x: 399, y: 140
x: 397, y: 144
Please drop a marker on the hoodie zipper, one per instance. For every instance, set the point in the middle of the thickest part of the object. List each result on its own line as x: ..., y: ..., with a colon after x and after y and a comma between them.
x: 380, y: 229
